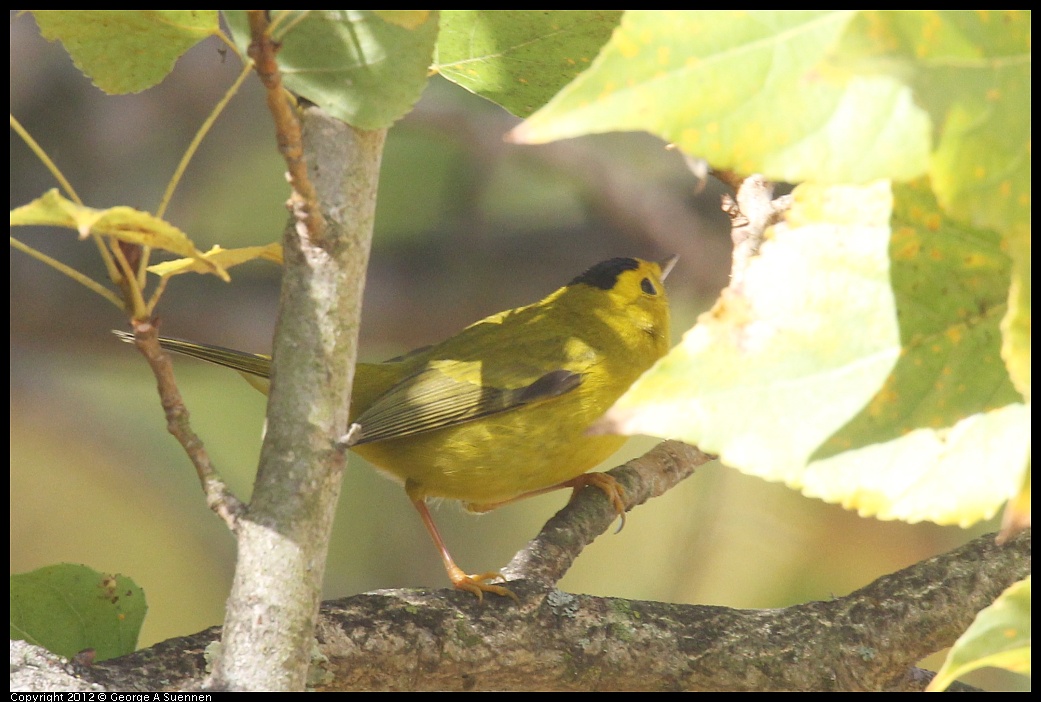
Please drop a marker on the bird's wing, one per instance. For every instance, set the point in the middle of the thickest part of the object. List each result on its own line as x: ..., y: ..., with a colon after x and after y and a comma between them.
x: 434, y: 398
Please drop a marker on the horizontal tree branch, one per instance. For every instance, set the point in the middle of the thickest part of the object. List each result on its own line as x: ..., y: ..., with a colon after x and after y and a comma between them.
x: 870, y: 639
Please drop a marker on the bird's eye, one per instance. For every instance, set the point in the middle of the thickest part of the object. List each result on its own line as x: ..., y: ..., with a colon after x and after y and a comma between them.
x: 648, y: 287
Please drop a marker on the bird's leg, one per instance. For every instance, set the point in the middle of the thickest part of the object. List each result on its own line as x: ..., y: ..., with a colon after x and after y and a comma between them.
x: 605, y: 483
x: 477, y: 584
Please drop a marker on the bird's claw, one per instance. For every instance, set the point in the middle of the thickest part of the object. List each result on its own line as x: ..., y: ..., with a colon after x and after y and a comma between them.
x: 611, y: 488
x: 478, y: 584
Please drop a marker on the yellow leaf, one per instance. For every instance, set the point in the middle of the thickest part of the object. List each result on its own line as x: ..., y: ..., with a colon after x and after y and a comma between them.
x: 122, y: 223
x: 225, y: 258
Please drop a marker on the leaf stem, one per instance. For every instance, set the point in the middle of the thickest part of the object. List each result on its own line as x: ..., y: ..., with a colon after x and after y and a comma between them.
x: 204, y: 129
x: 157, y: 294
x: 90, y: 283
x: 300, y: 15
x: 45, y: 159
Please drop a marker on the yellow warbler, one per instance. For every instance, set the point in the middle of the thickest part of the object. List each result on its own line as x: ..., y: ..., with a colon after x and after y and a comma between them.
x: 499, y: 411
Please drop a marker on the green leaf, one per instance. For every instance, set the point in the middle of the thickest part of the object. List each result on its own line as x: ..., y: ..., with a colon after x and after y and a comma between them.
x: 123, y: 223
x: 519, y: 59
x: 362, y: 69
x: 749, y: 92
x: 409, y: 19
x: 126, y: 51
x: 68, y: 608
x: 1015, y: 327
x: 860, y: 367
x: 1015, y: 350
x: 971, y: 72
x: 1017, y: 511
x: 947, y: 437
x: 999, y: 637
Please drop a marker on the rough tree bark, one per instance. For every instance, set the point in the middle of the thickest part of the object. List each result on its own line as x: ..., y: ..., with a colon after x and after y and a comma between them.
x: 870, y: 639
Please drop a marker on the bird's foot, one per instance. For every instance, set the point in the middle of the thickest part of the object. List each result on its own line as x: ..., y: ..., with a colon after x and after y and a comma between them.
x: 479, y: 584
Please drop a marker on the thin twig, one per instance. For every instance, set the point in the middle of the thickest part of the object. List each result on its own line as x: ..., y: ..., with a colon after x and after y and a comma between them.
x: 549, y: 555
x: 132, y: 294
x: 219, y: 497
x: 756, y: 210
x: 303, y: 203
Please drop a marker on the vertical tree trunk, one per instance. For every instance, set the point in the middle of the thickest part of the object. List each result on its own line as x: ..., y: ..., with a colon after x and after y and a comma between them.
x: 284, y: 538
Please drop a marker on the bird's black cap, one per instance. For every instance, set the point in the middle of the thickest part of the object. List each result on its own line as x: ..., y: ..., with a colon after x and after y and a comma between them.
x: 605, y: 274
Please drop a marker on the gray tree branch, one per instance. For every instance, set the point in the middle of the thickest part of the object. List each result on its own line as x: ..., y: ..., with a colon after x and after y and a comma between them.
x: 870, y: 639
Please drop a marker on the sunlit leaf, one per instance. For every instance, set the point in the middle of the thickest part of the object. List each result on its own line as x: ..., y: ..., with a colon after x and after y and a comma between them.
x: 860, y: 366
x: 225, y: 258
x: 520, y: 58
x: 971, y: 72
x: 808, y: 344
x: 747, y: 91
x: 1015, y: 327
x: 126, y: 51
x: 123, y: 223
x: 409, y: 19
x: 1017, y: 512
x: 362, y: 69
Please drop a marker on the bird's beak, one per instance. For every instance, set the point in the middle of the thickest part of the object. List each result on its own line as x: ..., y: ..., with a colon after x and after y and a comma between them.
x: 667, y: 265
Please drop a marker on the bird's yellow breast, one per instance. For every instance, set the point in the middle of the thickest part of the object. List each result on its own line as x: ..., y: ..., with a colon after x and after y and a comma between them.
x: 502, y: 455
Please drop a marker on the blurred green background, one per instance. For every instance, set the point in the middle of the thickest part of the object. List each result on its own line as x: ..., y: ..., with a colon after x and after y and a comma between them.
x: 466, y: 225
